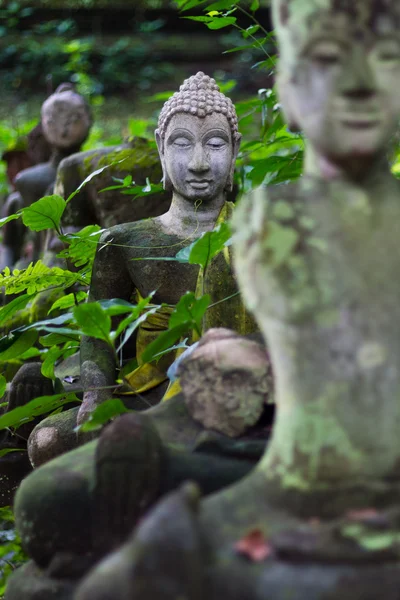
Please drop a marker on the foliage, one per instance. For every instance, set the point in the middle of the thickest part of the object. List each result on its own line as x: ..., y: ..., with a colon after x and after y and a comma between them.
x: 11, y: 554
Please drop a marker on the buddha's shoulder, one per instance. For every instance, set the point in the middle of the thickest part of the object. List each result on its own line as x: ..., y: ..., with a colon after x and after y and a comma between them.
x: 125, y: 232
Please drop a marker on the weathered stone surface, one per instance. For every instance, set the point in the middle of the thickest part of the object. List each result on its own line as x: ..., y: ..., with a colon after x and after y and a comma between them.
x: 27, y: 384
x: 226, y: 382
x: 138, y: 158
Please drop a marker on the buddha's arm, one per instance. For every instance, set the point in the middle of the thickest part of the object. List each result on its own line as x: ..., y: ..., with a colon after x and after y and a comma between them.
x: 110, y: 279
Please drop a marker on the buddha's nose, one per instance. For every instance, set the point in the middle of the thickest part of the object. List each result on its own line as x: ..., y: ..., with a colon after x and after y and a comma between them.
x: 199, y: 161
x: 357, y: 80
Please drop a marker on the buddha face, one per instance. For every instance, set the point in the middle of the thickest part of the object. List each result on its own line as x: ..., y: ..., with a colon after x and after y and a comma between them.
x: 198, y: 155
x: 340, y: 86
x: 65, y: 119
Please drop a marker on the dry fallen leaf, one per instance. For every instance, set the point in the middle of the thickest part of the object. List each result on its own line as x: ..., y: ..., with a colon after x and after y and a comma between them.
x: 254, y: 546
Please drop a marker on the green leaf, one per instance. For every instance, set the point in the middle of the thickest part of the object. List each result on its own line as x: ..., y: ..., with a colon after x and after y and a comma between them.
x: 52, y: 355
x: 93, y: 321
x: 82, y: 246
x: 14, y: 306
x: 250, y: 31
x: 221, y: 5
x: 103, y: 413
x: 221, y: 22
x: 16, y: 343
x: 9, y: 218
x: 68, y: 301
x: 39, y: 406
x: 3, y: 385
x: 116, y: 306
x: 164, y: 341
x: 37, y: 277
x: 255, y: 5
x: 8, y: 450
x: 46, y: 213
x: 209, y: 245
x: 189, y: 310
x: 53, y: 339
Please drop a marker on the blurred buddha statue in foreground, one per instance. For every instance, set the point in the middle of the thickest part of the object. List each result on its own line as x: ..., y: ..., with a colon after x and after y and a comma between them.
x: 318, y: 262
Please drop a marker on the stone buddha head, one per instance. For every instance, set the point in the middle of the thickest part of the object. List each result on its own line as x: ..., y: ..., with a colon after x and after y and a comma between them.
x: 198, y: 140
x: 66, y: 118
x: 339, y: 73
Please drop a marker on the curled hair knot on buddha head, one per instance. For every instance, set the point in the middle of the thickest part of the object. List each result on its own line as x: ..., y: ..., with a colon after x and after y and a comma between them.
x: 199, y: 96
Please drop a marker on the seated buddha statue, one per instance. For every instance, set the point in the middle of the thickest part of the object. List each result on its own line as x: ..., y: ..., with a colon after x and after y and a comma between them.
x: 318, y: 263
x: 66, y: 122
x: 198, y: 140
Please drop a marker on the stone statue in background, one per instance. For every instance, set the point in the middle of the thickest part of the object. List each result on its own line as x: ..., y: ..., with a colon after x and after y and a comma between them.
x: 198, y: 141
x: 66, y: 122
x: 109, y: 483
x: 318, y: 263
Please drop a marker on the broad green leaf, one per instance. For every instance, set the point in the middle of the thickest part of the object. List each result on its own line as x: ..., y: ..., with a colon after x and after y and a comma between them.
x: 250, y: 31
x: 221, y: 22
x: 9, y: 218
x: 164, y: 341
x: 9, y: 450
x: 42, y: 325
x: 39, y: 406
x: 116, y: 306
x: 221, y: 5
x: 46, y: 213
x: 82, y: 245
x: 52, y: 355
x: 53, y: 339
x: 189, y: 310
x: 93, y: 320
x: 103, y: 413
x: 16, y: 343
x: 209, y: 245
x: 255, y: 5
x: 7, y: 311
x: 3, y: 385
x: 68, y: 301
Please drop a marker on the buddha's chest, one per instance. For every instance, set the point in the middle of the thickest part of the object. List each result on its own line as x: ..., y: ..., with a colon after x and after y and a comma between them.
x: 342, y: 254
x: 168, y: 279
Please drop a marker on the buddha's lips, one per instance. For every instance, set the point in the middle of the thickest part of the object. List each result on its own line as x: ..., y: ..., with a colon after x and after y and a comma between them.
x: 357, y: 123
x: 199, y: 183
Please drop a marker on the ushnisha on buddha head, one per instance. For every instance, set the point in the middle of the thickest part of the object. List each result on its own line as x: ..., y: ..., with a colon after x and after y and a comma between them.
x: 198, y: 140
x: 339, y: 73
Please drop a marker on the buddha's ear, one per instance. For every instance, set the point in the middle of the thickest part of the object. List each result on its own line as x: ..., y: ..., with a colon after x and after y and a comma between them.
x: 236, y: 145
x: 167, y: 184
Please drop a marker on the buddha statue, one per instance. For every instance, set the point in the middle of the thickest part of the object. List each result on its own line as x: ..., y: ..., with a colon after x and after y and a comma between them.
x: 66, y: 122
x: 317, y: 260
x: 145, y: 454
x: 198, y: 141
